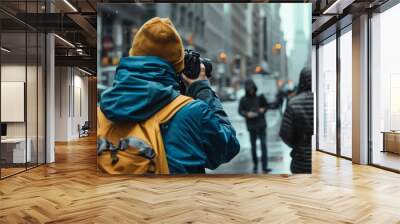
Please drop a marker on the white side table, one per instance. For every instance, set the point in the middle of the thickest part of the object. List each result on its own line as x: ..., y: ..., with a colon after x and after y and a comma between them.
x: 19, y: 155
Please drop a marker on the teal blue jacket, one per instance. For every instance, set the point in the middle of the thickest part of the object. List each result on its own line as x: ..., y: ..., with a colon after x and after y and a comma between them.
x: 198, y: 136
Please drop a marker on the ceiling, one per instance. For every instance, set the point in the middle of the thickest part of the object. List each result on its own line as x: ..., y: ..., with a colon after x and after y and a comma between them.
x: 331, y: 15
x: 76, y: 25
x: 75, y: 21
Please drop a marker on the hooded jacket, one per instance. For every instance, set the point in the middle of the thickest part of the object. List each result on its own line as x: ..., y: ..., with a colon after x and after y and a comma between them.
x: 298, y: 124
x: 252, y: 102
x: 198, y: 136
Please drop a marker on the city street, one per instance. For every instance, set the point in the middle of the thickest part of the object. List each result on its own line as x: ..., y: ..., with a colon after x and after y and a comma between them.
x: 278, y: 153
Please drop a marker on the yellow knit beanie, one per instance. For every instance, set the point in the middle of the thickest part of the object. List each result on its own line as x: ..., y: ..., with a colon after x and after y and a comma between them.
x: 158, y: 37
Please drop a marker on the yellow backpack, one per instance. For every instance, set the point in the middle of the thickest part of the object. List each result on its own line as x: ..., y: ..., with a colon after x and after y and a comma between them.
x: 135, y: 148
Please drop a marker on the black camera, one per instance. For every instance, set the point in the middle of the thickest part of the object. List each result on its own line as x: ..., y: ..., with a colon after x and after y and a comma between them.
x: 192, y: 64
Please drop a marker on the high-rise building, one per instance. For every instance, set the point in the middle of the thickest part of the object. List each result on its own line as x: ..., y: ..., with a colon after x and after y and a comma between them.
x: 214, y: 30
x: 255, y: 26
x: 216, y: 42
x: 240, y: 33
x: 189, y: 21
x: 275, y: 49
x: 300, y: 46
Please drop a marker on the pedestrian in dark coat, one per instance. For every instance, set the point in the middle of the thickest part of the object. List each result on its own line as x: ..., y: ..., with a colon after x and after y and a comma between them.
x: 298, y: 124
x: 253, y: 108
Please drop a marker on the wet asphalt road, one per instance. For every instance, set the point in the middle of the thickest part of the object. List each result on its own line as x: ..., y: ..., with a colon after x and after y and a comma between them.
x: 278, y: 153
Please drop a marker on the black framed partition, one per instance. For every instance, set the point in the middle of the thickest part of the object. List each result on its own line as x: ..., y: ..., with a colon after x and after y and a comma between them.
x: 382, y: 72
x: 345, y: 93
x: 384, y: 87
x: 326, y: 95
x: 333, y: 82
x: 22, y: 89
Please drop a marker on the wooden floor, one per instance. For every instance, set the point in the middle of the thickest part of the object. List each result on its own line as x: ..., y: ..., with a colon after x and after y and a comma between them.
x: 387, y: 159
x: 70, y: 191
x: 10, y: 171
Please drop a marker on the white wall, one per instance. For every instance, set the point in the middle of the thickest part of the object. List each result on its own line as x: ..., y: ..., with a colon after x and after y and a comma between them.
x: 13, y: 73
x: 33, y: 126
x: 61, y: 103
x: 16, y: 73
x: 71, y: 102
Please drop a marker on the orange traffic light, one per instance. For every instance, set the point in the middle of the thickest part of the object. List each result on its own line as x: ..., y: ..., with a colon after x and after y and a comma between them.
x: 222, y: 56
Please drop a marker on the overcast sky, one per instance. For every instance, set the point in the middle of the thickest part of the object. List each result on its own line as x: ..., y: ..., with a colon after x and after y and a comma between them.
x: 295, y: 15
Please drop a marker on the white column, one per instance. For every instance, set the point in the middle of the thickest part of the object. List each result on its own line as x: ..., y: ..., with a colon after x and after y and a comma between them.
x: 360, y: 90
x: 50, y: 92
x: 50, y: 99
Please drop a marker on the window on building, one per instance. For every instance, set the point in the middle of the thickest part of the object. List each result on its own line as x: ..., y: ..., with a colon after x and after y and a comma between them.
x: 190, y: 21
x: 182, y: 16
x: 174, y: 12
x: 197, y: 25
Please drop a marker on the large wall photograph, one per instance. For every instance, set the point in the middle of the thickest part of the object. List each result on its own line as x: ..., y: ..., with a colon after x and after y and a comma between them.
x: 204, y: 88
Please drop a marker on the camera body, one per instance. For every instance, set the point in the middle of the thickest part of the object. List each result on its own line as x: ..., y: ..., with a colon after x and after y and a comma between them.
x: 192, y: 64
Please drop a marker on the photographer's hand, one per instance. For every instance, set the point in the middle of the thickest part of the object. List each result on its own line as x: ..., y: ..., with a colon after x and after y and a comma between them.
x: 202, y: 76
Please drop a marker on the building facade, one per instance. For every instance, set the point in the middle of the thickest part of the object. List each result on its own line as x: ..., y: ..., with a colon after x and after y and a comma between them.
x: 275, y: 50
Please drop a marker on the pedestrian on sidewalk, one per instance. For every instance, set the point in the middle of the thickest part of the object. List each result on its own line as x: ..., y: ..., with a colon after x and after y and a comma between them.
x: 298, y: 124
x: 253, y: 108
x: 188, y: 133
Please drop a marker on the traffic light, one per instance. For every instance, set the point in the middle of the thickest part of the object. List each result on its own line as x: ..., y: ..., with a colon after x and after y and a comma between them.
x: 222, y: 57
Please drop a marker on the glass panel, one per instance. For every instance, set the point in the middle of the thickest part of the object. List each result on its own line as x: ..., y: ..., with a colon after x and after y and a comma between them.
x: 14, y: 153
x: 327, y: 96
x: 346, y: 94
x: 13, y: 85
x: 41, y: 99
x: 314, y: 79
x: 22, y: 80
x: 39, y: 7
x: 32, y: 87
x: 385, y: 86
x: 31, y: 97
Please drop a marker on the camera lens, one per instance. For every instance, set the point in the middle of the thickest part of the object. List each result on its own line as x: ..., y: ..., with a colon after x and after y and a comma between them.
x: 208, y: 65
x: 192, y: 64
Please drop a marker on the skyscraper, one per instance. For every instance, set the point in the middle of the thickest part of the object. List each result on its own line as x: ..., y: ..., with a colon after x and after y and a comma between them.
x: 300, y: 44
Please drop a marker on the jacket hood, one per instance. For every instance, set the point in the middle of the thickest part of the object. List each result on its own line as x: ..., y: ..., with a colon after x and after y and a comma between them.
x: 142, y: 86
x: 249, y: 85
x: 305, y: 80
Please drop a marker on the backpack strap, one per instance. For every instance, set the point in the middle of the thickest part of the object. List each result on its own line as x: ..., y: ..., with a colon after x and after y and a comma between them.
x: 169, y: 111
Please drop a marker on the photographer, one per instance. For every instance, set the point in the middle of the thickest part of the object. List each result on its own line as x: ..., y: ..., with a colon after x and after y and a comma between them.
x: 197, y: 135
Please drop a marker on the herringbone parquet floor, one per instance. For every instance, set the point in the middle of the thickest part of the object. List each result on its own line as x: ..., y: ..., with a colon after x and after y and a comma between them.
x: 70, y: 191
